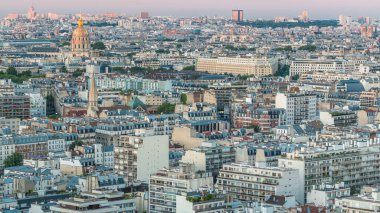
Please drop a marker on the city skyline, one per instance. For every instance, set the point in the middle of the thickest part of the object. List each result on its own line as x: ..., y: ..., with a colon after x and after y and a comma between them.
x: 253, y: 9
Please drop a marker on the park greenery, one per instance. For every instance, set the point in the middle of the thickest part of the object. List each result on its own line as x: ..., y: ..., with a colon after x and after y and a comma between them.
x: 232, y: 48
x: 18, y: 78
x: 189, y: 68
x: 287, y: 48
x: 308, y: 47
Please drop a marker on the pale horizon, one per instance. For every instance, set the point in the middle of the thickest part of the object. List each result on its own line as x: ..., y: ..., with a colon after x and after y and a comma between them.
x: 321, y: 9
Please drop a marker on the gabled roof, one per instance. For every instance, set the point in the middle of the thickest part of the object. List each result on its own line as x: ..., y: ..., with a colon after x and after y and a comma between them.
x: 136, y: 102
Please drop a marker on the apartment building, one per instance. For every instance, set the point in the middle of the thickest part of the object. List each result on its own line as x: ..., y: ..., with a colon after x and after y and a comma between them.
x: 369, y: 99
x: 238, y: 65
x: 299, y: 107
x: 194, y: 202
x: 81, y: 203
x: 338, y: 118
x: 31, y: 146
x: 151, y: 99
x: 367, y: 201
x: 76, y: 166
x: 327, y: 77
x: 7, y: 148
x: 139, y: 155
x: 353, y: 162
x: 166, y: 184
x: 12, y: 123
x: 325, y: 194
x: 209, y: 157
x: 301, y: 66
x: 37, y: 105
x: 14, y: 106
x: 221, y: 94
x: 164, y: 124
x: 256, y: 183
x: 99, y: 181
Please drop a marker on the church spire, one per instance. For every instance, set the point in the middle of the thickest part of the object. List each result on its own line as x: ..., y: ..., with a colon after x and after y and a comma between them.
x: 92, y: 108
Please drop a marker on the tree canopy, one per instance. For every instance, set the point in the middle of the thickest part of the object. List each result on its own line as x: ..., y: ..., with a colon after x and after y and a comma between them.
x: 11, y: 73
x: 74, y: 144
x: 308, y: 47
x: 78, y: 72
x: 183, y: 98
x: 15, y: 159
x: 189, y: 68
x: 98, y: 46
x: 295, y: 77
x: 166, y: 108
x: 283, y: 70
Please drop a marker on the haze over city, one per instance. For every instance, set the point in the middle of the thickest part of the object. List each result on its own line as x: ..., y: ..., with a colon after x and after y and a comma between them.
x: 164, y: 106
x: 319, y: 9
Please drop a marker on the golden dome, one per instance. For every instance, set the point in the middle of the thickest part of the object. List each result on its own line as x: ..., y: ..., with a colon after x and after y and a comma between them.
x: 80, y: 31
x: 80, y: 41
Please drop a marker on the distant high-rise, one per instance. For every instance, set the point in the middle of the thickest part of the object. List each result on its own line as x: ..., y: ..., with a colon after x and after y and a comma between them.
x: 342, y: 20
x: 304, y: 16
x: 12, y: 16
x: 237, y: 15
x: 367, y: 31
x: 144, y: 15
x: 368, y: 20
x: 32, y: 14
x: 345, y: 20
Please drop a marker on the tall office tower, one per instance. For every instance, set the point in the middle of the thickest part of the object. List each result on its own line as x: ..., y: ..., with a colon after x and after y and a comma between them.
x: 349, y: 20
x: 304, y: 16
x: 361, y: 20
x: 363, y: 31
x: 12, y: 16
x: 31, y: 13
x: 299, y: 107
x: 144, y: 15
x: 368, y: 20
x: 237, y: 15
x: 342, y: 20
x: 370, y: 32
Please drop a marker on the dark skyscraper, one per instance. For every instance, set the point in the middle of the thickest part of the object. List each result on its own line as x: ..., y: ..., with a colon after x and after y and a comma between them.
x: 237, y: 15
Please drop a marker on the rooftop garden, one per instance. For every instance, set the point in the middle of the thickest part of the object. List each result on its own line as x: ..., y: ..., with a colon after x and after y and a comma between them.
x: 200, y: 198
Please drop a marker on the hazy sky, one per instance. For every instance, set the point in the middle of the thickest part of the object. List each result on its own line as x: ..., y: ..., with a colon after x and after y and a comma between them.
x: 252, y: 8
